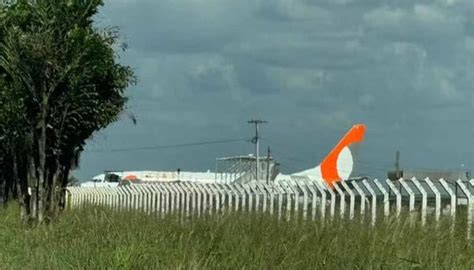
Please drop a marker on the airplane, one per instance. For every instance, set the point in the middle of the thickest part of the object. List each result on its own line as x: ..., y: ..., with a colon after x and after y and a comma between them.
x: 336, y: 166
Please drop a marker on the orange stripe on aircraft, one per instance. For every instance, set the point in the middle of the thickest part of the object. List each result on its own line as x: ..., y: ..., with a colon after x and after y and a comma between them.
x: 329, y: 165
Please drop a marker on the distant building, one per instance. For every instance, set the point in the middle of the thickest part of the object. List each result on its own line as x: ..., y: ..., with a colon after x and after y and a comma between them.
x: 450, y: 176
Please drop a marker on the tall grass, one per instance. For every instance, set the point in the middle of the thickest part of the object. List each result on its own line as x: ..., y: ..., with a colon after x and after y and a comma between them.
x: 97, y: 238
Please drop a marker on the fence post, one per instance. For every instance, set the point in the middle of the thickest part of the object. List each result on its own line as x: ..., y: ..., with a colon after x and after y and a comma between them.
x: 175, y: 197
x: 169, y: 198
x: 295, y: 196
x: 437, y: 198
x: 75, y: 197
x: 134, y: 197
x: 100, y: 196
x: 160, y: 199
x: 470, y: 206
x: 108, y: 196
x: 283, y: 185
x: 69, y: 198
x: 386, y: 203
x: 242, y: 197
x: 181, y: 197
x: 351, y: 199
x: 81, y: 198
x: 333, y: 200
x: 342, y: 206
x: 280, y: 199
x: 75, y: 193
x: 119, y: 200
x: 220, y: 196
x: 207, y: 197
x: 87, y: 198
x: 411, y: 195
x: 187, y: 201
x: 155, y: 199
x: 183, y: 194
x: 211, y: 197
x: 133, y: 202
x: 302, y: 186
x: 271, y: 190
x: 452, y: 196
x: 164, y: 199
x: 424, y: 203
x: 323, y: 199
x: 374, y: 200
x: 228, y: 192
x: 72, y: 197
x: 398, y: 196
x: 249, y: 193
x: 215, y: 189
x: 221, y: 192
x: 237, y: 195
x: 253, y: 189
x: 128, y: 197
x: 202, y: 189
x: 140, y: 197
x: 95, y: 196
x: 362, y: 199
x: 194, y: 198
x: 111, y: 197
x: 314, y: 196
x: 263, y: 192
x: 137, y: 196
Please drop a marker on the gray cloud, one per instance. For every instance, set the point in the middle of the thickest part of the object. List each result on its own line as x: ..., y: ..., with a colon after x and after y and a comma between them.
x: 312, y: 68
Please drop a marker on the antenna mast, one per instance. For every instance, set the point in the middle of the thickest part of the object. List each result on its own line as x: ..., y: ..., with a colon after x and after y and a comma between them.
x: 255, y: 140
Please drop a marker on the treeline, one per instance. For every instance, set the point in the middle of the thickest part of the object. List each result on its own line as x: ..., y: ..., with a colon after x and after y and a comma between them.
x: 59, y: 83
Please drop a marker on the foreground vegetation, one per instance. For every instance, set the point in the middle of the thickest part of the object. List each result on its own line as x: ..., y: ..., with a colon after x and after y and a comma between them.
x: 60, y: 82
x: 97, y: 238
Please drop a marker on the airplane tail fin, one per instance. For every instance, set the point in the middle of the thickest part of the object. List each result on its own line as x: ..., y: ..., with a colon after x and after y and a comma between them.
x: 338, y: 164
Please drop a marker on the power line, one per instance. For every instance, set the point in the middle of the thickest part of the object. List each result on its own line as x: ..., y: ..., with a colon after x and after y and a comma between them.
x: 144, y: 148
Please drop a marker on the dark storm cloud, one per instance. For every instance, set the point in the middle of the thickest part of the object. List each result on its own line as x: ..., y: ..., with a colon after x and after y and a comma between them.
x: 312, y: 68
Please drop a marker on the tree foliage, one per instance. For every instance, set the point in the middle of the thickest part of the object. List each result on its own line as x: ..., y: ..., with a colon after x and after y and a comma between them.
x: 60, y: 82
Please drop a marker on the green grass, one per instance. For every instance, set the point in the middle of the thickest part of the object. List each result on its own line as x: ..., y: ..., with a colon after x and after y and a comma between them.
x: 97, y: 238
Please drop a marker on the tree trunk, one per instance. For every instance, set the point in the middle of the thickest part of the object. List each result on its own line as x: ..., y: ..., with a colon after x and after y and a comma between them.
x: 33, y: 186
x: 22, y: 190
x: 64, y: 182
x: 42, y: 159
x: 54, y: 192
x: 6, y: 192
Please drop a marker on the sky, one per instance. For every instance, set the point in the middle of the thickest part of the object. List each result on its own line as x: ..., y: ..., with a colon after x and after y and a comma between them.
x: 311, y: 68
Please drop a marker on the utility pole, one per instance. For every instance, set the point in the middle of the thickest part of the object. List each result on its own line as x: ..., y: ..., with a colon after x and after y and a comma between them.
x: 268, y: 165
x: 255, y: 140
x: 397, y: 165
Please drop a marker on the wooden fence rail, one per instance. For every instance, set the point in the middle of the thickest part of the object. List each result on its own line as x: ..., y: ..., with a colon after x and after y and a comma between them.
x: 287, y: 199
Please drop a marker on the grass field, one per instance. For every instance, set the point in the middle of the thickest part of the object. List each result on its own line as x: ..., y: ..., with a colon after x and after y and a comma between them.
x: 95, y: 238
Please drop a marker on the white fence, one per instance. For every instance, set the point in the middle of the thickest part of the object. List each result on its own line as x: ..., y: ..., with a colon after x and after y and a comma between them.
x: 287, y: 199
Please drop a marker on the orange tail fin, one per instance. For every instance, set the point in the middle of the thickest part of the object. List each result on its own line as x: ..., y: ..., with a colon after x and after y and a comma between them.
x: 329, y: 166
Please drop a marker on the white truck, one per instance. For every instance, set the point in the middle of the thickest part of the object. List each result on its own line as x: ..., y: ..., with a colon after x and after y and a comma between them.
x: 108, y: 179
